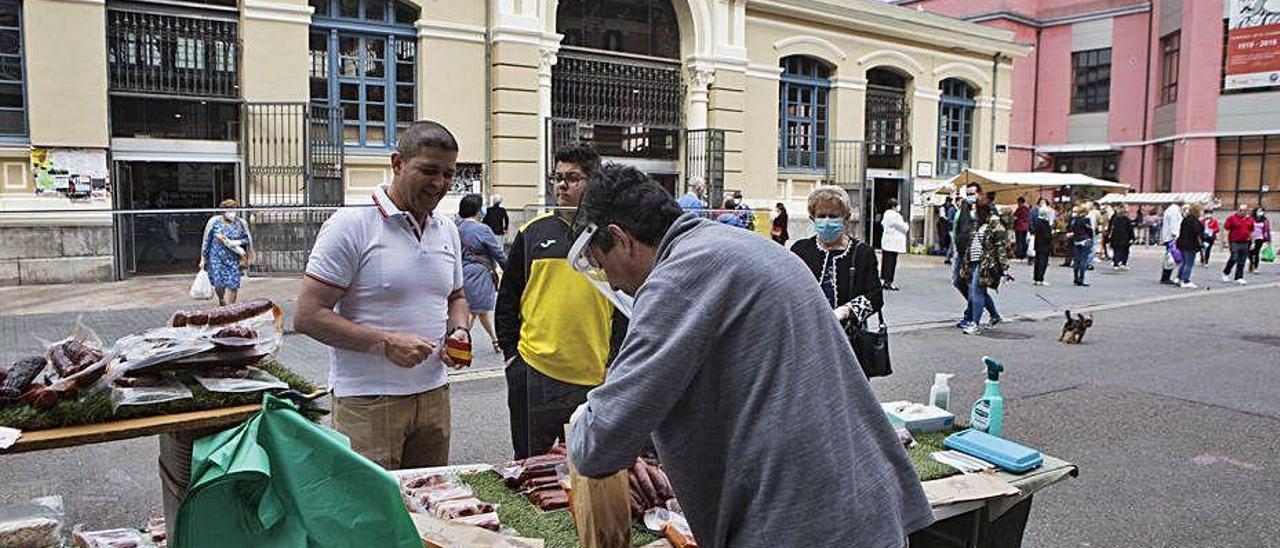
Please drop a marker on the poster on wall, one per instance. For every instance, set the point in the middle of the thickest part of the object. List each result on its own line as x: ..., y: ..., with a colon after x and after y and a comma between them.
x: 1253, y: 44
x: 77, y: 173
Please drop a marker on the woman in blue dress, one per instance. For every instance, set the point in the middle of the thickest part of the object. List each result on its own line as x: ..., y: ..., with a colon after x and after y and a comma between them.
x: 225, y: 251
x: 482, y: 260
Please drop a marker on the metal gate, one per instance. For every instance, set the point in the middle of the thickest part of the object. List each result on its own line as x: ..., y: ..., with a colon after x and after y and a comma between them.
x: 704, y: 158
x: 847, y: 169
x: 293, y: 165
x: 561, y: 132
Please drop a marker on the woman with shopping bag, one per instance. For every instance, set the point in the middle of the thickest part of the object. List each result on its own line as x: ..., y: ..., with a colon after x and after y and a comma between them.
x: 226, y: 250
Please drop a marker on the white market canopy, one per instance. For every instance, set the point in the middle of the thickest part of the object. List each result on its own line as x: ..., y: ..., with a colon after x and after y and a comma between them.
x: 1205, y: 198
x: 1007, y: 184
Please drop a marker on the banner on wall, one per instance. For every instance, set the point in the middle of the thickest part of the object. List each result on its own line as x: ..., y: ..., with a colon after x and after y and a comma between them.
x: 1253, y: 44
x: 75, y: 173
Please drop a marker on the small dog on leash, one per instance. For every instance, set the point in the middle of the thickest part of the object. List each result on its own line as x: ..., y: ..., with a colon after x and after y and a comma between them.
x: 1073, y: 330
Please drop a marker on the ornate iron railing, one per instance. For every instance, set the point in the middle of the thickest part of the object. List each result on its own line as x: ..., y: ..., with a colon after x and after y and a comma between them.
x: 887, y: 131
x: 173, y: 55
x: 617, y: 91
x: 467, y: 179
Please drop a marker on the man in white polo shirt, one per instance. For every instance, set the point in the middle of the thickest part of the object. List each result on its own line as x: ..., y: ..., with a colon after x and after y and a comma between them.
x: 383, y: 288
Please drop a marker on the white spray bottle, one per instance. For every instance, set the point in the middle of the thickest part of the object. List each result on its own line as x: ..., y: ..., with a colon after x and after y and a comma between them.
x: 940, y: 392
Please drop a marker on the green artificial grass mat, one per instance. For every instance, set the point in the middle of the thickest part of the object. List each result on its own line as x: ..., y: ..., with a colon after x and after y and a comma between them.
x: 926, y: 444
x: 516, y: 512
x: 96, y: 408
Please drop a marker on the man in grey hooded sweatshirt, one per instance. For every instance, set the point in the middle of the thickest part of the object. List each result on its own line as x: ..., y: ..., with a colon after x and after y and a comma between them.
x: 734, y: 364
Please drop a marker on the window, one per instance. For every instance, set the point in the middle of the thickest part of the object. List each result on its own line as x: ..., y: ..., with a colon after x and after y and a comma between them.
x: 1169, y: 46
x: 191, y: 55
x: 887, y: 119
x: 802, y: 114
x: 13, y: 117
x: 1245, y: 166
x: 1091, y: 80
x: 1164, y: 167
x: 642, y: 27
x: 363, y: 57
x: 955, y: 127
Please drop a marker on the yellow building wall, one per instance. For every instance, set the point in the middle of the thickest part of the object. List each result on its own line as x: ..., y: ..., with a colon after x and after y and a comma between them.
x: 66, y: 72
x: 275, y: 62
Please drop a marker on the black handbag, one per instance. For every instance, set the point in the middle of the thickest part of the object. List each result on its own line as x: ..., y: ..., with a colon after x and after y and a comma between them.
x: 871, y: 347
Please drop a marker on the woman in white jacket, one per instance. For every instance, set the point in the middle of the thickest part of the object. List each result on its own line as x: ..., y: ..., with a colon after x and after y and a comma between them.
x: 892, y: 242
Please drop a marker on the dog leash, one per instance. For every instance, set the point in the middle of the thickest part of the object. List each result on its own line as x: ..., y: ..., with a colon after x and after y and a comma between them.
x: 1049, y: 302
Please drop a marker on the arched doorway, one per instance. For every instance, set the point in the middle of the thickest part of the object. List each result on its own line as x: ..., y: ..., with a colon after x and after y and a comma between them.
x: 888, y: 137
x: 618, y: 83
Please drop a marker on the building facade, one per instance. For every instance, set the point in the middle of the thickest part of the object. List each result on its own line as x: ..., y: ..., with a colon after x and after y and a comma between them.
x: 293, y: 105
x: 1140, y: 92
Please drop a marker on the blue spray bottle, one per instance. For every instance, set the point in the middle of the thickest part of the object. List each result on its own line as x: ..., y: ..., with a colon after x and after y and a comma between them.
x: 988, y: 411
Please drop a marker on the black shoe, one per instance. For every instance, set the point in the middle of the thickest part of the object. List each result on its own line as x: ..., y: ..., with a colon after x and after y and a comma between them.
x: 1168, y: 282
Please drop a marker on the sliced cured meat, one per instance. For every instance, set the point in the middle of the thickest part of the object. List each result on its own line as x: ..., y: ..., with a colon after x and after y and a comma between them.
x: 452, y: 509
x: 429, y: 497
x: 236, y: 332
x: 488, y: 521
x: 71, y: 357
x: 425, y: 480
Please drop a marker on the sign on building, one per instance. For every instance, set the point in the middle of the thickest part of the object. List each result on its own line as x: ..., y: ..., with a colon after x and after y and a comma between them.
x: 1253, y: 44
x: 76, y: 173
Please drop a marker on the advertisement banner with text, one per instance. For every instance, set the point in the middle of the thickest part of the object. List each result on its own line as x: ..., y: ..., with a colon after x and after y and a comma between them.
x: 1253, y: 44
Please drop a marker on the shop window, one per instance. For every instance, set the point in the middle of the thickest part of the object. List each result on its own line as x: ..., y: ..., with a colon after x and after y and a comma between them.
x: 1169, y: 57
x: 13, y: 114
x: 1248, y: 171
x: 955, y: 127
x: 803, y: 113
x: 156, y: 118
x: 363, y: 63
x: 1164, y: 167
x: 1091, y: 80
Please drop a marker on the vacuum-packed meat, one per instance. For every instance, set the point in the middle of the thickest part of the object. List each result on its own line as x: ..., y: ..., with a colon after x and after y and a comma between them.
x: 429, y: 497
x: 452, y: 509
x: 21, y: 374
x: 140, y: 380
x: 72, y: 356
x: 424, y: 480
x: 550, y: 500
x: 236, y: 332
x: 225, y: 372
x: 488, y: 521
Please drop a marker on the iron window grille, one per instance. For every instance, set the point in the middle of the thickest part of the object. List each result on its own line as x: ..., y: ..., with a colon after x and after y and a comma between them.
x: 1169, y: 58
x: 363, y: 57
x: 13, y: 114
x: 955, y: 127
x: 803, y: 111
x: 886, y: 126
x: 164, y: 54
x: 468, y: 178
x: 1091, y: 80
x: 617, y: 89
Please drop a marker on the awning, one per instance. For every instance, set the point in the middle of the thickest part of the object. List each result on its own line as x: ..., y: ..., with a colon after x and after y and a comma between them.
x: 1205, y: 198
x: 1009, y: 185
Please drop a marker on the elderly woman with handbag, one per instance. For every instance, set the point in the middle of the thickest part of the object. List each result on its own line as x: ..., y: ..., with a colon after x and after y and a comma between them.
x: 226, y: 250
x: 846, y: 271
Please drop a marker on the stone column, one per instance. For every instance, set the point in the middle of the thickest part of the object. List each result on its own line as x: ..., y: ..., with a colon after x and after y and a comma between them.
x: 547, y: 59
x: 700, y: 79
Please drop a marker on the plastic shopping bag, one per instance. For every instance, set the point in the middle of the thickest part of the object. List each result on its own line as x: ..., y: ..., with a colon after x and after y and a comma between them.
x: 1175, y: 253
x: 1168, y: 263
x: 201, y: 289
x: 1268, y: 254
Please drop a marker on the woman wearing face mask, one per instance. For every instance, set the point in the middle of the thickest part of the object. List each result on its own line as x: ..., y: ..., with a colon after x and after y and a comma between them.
x: 987, y: 260
x: 778, y: 232
x: 1261, y: 237
x: 844, y: 266
x: 225, y: 251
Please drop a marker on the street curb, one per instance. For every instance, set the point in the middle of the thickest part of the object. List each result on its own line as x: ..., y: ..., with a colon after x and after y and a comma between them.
x: 1044, y: 315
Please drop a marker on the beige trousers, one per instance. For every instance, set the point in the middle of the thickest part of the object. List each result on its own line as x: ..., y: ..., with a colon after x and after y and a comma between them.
x: 397, y: 431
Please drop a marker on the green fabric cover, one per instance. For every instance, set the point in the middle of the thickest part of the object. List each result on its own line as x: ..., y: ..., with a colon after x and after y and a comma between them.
x: 280, y: 480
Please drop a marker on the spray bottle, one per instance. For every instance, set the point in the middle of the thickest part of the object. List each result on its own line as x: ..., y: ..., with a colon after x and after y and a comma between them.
x: 988, y: 411
x: 940, y: 393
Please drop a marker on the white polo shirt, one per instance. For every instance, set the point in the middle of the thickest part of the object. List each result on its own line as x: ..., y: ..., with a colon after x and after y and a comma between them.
x: 397, y: 277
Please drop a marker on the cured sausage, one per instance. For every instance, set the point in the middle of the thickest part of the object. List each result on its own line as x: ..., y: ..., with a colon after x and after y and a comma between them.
x: 662, y: 482
x: 71, y: 357
x: 222, y: 315
x: 550, y: 500
x: 647, y: 491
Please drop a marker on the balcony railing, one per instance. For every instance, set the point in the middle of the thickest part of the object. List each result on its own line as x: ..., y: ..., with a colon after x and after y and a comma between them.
x: 152, y: 53
x: 617, y: 91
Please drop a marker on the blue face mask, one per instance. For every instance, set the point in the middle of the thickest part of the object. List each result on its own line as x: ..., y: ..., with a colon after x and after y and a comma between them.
x: 829, y: 230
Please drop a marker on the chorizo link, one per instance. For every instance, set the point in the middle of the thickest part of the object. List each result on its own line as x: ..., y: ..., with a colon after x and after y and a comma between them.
x: 222, y: 315
x: 646, y: 485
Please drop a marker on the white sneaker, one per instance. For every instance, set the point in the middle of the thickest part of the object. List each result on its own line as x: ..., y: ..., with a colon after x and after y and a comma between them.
x: 1046, y: 284
x: 1226, y: 279
x: 1188, y: 285
x: 971, y: 330
x: 1241, y: 282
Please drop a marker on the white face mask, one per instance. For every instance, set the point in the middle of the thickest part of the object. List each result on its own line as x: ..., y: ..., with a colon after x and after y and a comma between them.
x: 230, y: 215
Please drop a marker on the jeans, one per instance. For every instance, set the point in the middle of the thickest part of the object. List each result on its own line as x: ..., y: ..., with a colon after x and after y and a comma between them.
x: 1255, y: 254
x: 1206, y: 249
x: 1082, y: 253
x: 1120, y: 254
x: 1188, y: 264
x: 1239, y: 256
x: 1041, y: 263
x: 1020, y: 252
x: 979, y: 300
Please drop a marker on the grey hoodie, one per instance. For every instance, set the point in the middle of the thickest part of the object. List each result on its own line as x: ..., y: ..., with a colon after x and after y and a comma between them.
x: 763, y: 419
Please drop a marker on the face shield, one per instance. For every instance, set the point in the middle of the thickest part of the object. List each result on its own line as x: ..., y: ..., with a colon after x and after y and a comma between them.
x: 581, y: 260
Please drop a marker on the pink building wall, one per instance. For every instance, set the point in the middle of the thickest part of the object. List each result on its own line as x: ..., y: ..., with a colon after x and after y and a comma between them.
x: 1195, y: 159
x: 1129, y: 84
x: 1022, y: 117
x: 1054, y: 101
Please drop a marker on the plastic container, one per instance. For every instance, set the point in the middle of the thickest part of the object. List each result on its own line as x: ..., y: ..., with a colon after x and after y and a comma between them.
x: 940, y: 392
x: 918, y: 418
x: 1007, y: 455
x: 988, y: 412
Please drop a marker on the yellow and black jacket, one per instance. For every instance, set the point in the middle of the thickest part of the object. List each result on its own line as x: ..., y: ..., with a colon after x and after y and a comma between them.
x: 549, y: 314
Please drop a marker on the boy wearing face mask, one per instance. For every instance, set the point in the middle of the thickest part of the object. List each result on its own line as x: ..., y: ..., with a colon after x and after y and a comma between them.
x: 225, y: 251
x: 844, y: 267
